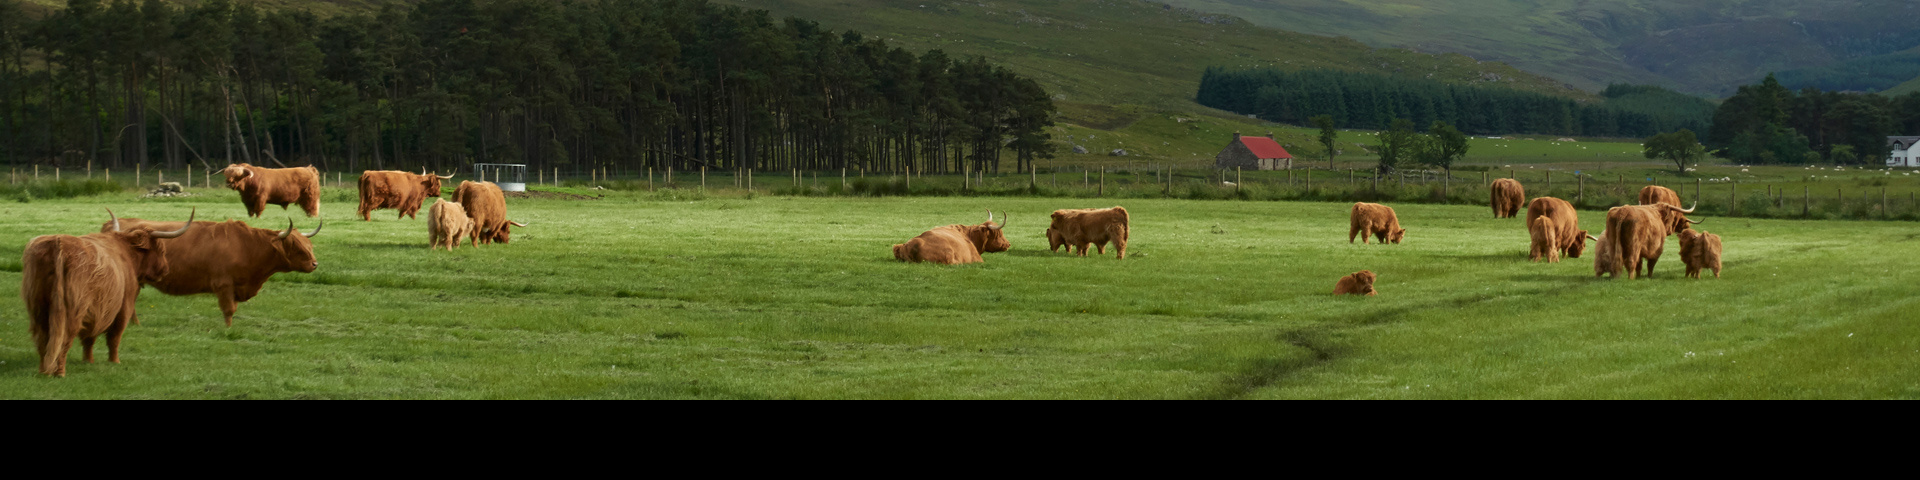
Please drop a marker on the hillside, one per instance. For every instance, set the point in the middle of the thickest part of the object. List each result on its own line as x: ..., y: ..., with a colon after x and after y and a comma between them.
x: 1702, y: 47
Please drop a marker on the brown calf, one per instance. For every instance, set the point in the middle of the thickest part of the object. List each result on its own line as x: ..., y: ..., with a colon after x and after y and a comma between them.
x: 1079, y: 228
x: 1700, y: 250
x: 447, y: 223
x: 1373, y: 219
x: 1359, y: 283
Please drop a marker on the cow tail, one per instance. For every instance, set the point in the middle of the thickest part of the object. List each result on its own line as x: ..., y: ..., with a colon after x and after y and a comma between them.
x: 60, y: 310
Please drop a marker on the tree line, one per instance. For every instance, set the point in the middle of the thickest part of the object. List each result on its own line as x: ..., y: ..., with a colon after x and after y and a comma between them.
x: 1370, y: 101
x: 1767, y: 123
x: 441, y: 84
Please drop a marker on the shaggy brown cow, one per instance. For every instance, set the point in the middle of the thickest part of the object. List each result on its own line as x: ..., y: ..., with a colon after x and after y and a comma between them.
x: 84, y: 287
x: 1373, y: 219
x: 1639, y: 233
x: 1546, y: 240
x: 487, y: 206
x: 1055, y: 241
x: 1606, y: 260
x: 397, y: 190
x: 259, y: 186
x: 1652, y: 194
x: 1507, y: 197
x: 1359, y: 283
x: 447, y: 223
x: 228, y: 259
x: 1700, y: 250
x: 955, y: 244
x: 1572, y: 240
x: 1079, y: 228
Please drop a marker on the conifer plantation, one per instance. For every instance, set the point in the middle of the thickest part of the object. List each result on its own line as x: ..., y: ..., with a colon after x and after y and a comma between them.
x: 440, y: 84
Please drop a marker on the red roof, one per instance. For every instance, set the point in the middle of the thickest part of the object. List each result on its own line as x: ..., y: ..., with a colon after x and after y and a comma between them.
x: 1264, y: 147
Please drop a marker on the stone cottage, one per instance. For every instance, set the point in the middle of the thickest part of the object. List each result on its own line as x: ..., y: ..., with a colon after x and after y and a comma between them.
x: 1254, y: 153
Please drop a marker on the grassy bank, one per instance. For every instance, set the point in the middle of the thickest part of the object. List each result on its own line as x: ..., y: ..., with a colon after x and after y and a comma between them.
x: 662, y: 295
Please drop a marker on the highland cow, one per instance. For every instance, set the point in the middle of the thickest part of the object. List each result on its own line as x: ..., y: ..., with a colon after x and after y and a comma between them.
x: 1373, y: 219
x: 1508, y: 196
x: 1079, y: 228
x: 261, y: 186
x: 84, y: 287
x: 955, y: 244
x: 1359, y: 283
x: 228, y: 259
x: 1700, y: 250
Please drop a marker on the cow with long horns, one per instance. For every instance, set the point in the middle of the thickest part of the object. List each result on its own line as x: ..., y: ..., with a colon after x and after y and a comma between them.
x: 1507, y: 197
x: 1079, y: 228
x: 261, y: 186
x: 397, y: 190
x: 228, y: 259
x: 84, y: 287
x: 955, y: 244
x: 487, y: 206
x: 1639, y: 233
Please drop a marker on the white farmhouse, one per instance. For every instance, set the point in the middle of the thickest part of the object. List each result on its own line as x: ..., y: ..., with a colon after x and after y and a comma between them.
x: 1905, y: 151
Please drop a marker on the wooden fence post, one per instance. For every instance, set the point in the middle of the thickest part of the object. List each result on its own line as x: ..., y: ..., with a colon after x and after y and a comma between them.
x: 1549, y: 182
x: 1807, y: 207
x: 1581, y: 195
x: 1733, y: 198
x: 703, y: 178
x: 1103, y: 183
x: 1237, y: 179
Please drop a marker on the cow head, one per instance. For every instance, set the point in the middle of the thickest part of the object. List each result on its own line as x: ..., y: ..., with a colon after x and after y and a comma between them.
x: 150, y: 255
x: 1364, y: 277
x: 1676, y: 217
x: 1397, y: 235
x: 297, y: 250
x: 1579, y: 244
x: 432, y: 182
x: 239, y: 175
x: 501, y: 235
x: 1055, y: 240
x: 988, y: 236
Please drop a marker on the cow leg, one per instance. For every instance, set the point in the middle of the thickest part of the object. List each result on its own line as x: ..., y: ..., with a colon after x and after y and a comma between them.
x: 1100, y: 247
x: 1120, y: 246
x: 113, y: 338
x: 366, y: 214
x: 1650, y: 263
x: 86, y: 346
x: 1351, y: 230
x: 227, y: 305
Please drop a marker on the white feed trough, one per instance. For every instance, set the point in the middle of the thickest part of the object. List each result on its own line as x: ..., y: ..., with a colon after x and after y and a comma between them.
x: 512, y: 177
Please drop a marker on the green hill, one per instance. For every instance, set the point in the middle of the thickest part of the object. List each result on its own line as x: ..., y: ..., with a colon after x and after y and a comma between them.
x: 1703, y: 47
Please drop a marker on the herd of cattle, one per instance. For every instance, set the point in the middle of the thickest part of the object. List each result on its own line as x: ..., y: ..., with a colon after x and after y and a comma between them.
x: 83, y: 287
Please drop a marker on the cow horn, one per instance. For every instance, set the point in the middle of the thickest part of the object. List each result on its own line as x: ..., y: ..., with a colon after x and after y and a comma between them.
x: 517, y: 224
x: 116, y: 220
x: 989, y: 214
x: 1003, y: 221
x: 1695, y: 222
x: 289, y: 230
x: 176, y: 233
x: 447, y: 177
x: 316, y: 229
x: 249, y: 173
x: 1688, y: 210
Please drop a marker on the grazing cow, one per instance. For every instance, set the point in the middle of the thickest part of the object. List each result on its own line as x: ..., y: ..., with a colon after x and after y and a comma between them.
x: 1639, y: 233
x: 955, y: 244
x: 1055, y: 241
x: 259, y: 186
x: 1652, y: 194
x: 1571, y: 239
x: 1507, y: 197
x: 1079, y: 228
x: 447, y: 223
x: 1700, y: 250
x: 1373, y: 219
x: 1546, y: 240
x: 487, y: 206
x: 228, y: 259
x: 84, y: 287
x: 1606, y: 259
x: 396, y: 190
x: 1359, y: 283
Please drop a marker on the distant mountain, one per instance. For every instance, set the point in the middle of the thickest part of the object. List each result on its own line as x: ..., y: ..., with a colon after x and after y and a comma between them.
x: 1699, y: 46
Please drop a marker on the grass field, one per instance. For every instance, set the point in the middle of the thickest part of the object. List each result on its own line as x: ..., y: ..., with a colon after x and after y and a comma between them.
x: 658, y: 295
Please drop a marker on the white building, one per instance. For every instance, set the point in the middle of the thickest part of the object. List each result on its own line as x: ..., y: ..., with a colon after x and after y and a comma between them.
x: 1905, y: 151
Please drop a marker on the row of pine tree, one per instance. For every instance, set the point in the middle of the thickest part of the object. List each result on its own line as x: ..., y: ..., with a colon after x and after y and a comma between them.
x: 441, y: 84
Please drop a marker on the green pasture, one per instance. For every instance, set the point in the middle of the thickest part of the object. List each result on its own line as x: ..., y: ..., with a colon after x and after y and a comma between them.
x: 676, y: 294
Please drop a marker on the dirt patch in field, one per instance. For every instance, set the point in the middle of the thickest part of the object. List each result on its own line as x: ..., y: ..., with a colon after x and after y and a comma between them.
x: 549, y: 195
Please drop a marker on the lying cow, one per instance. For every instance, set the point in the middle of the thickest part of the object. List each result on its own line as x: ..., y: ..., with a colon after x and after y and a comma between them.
x: 1655, y: 194
x: 955, y: 244
x: 1700, y: 250
x: 228, y: 259
x: 487, y: 206
x: 1359, y: 283
x: 84, y: 287
x: 1570, y: 240
x: 1606, y: 257
x: 1373, y: 219
x: 397, y: 190
x: 447, y: 223
x: 1546, y: 240
x: 1078, y: 228
x: 1508, y: 196
x: 260, y: 186
x: 1639, y: 233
